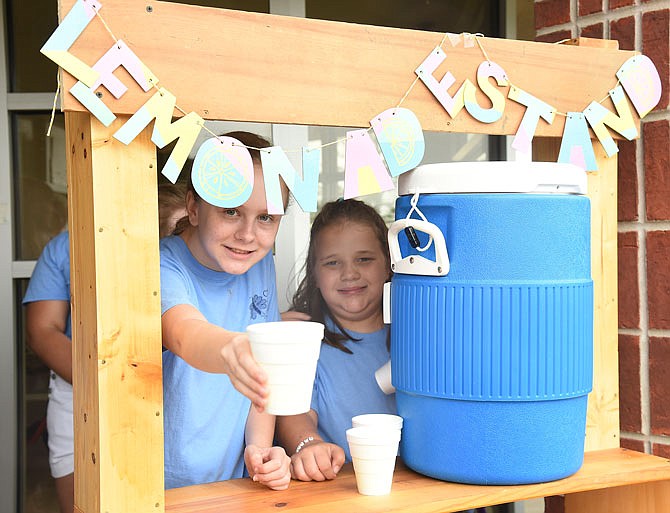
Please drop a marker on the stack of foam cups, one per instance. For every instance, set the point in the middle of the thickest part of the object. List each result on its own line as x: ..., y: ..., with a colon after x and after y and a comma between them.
x: 373, y: 444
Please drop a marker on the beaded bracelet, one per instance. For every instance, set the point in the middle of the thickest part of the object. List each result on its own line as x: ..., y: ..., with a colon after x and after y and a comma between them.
x: 303, y: 443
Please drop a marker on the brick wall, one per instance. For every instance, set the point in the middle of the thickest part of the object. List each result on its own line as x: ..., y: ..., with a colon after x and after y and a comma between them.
x: 643, y: 213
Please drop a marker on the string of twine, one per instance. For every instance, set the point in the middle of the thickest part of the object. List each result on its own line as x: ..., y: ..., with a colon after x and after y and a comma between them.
x: 477, y: 37
x: 97, y: 13
x: 53, y: 107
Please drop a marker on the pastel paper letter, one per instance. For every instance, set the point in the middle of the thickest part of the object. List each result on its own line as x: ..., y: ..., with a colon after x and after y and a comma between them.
x: 536, y: 109
x: 400, y: 138
x: 161, y: 106
x: 223, y: 172
x: 57, y: 46
x: 642, y: 83
x: 485, y: 70
x: 576, y: 145
x: 598, y: 116
x: 364, y: 171
x: 118, y: 55
x: 93, y: 104
x: 276, y: 164
x: 452, y: 105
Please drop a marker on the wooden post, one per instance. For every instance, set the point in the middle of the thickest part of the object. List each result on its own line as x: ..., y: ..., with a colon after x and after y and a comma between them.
x: 602, y: 419
x: 118, y: 412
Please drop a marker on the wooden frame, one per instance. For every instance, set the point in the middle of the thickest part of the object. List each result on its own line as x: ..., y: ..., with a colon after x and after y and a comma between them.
x: 256, y: 67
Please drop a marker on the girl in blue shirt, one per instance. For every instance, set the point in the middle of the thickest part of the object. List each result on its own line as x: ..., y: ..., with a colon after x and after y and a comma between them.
x: 346, y: 267
x: 217, y: 277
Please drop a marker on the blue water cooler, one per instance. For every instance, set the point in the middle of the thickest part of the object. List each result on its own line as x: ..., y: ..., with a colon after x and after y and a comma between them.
x: 492, y: 320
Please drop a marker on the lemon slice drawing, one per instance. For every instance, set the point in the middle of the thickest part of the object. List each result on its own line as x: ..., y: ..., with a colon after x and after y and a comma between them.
x: 400, y: 138
x: 223, y: 172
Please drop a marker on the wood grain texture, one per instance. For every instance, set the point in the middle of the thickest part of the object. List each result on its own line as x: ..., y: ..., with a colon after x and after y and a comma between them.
x: 118, y: 395
x: 602, y: 420
x: 242, y: 66
x: 412, y: 492
x: 640, y: 498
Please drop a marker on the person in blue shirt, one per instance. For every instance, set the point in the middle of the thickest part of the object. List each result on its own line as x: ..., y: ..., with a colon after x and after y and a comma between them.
x: 346, y: 267
x: 217, y: 277
x: 49, y: 333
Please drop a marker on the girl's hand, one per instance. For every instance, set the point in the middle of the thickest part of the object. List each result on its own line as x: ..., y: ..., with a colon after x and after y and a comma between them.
x: 269, y: 466
x: 317, y: 461
x: 292, y: 315
x: 244, y: 373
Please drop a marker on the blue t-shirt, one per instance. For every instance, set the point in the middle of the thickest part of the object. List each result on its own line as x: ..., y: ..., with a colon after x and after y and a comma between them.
x: 50, y: 281
x: 204, y: 415
x: 51, y: 277
x: 345, y: 385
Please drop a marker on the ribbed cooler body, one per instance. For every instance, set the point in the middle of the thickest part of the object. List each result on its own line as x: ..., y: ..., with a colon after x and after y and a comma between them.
x: 492, y: 363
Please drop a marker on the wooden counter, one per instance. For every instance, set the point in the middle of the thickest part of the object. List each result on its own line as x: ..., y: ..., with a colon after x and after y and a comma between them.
x: 612, y: 469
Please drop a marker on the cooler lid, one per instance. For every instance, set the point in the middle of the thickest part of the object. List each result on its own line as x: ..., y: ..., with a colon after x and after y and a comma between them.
x: 482, y: 177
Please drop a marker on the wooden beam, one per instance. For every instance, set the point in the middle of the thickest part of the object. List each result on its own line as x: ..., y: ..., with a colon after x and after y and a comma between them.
x: 651, y: 497
x: 113, y: 222
x: 242, y: 66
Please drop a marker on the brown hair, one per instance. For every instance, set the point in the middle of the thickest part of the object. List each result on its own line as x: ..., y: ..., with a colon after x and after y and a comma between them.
x: 171, y: 197
x: 308, y: 298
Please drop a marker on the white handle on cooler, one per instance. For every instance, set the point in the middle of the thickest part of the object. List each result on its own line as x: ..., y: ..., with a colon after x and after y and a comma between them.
x: 416, y: 264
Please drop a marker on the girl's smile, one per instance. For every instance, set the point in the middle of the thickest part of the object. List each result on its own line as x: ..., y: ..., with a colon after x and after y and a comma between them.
x: 231, y: 240
x: 350, y: 270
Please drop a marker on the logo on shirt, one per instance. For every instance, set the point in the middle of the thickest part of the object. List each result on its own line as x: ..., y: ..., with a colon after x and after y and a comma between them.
x: 259, y: 305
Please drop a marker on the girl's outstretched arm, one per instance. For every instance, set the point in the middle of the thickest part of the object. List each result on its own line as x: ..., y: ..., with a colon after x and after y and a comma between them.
x: 211, y: 348
x: 312, y: 459
x: 266, y: 464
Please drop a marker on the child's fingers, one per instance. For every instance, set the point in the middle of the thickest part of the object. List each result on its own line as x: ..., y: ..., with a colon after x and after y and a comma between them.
x: 298, y: 470
x: 274, y: 468
x: 270, y: 459
x: 244, y: 373
x: 310, y: 468
x: 253, y: 457
x: 325, y: 465
x: 268, y: 467
x: 259, y: 401
x: 277, y: 481
x: 250, y: 367
x: 279, y: 484
x: 276, y: 475
x: 336, y: 458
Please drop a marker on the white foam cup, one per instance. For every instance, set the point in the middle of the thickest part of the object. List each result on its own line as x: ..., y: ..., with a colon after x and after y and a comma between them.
x: 373, y: 454
x: 381, y: 420
x: 383, y: 378
x: 288, y: 352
